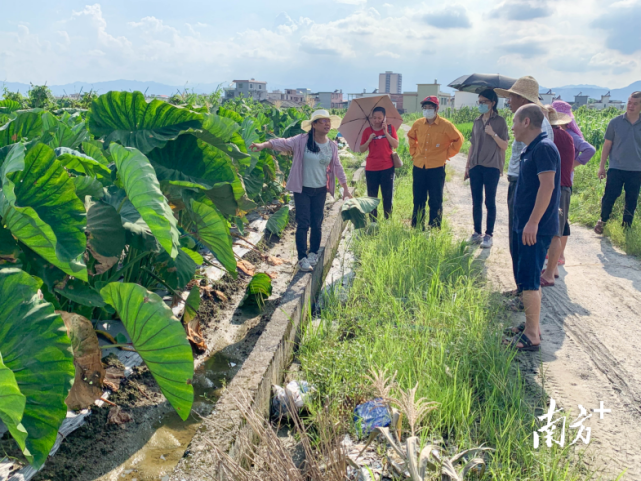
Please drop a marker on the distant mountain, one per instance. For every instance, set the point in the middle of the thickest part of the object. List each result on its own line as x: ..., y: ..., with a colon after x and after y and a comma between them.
x: 151, y: 88
x: 581, y: 86
x: 568, y: 92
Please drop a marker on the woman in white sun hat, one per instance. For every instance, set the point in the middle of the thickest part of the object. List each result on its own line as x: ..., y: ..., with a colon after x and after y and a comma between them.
x: 314, y: 168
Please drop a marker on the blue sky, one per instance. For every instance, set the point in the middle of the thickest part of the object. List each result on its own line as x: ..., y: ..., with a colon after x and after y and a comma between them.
x: 322, y: 45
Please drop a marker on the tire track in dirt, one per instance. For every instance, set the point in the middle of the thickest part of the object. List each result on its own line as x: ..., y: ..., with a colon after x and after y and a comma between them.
x: 589, y: 320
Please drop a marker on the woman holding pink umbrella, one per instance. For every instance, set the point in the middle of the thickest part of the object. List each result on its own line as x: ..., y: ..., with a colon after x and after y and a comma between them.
x: 380, y: 139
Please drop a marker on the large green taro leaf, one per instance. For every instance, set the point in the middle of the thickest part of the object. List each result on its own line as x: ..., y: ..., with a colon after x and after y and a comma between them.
x: 159, y: 338
x: 179, y: 271
x: 26, y: 125
x: 278, y: 220
x: 80, y: 163
x: 12, y: 403
x: 35, y: 346
x: 210, y: 227
x: 192, y: 160
x: 222, y: 133
x: 38, y: 204
x: 105, y: 233
x: 8, y: 106
x: 58, y: 134
x: 188, y: 159
x: 9, y: 249
x: 138, y: 233
x: 127, y: 118
x: 143, y: 190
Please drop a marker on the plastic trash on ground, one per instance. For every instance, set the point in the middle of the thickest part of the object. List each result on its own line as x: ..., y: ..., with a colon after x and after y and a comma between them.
x: 371, y: 414
x: 298, y: 393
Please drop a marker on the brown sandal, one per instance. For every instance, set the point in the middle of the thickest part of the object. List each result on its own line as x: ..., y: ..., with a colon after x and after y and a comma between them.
x: 545, y: 283
x: 598, y: 228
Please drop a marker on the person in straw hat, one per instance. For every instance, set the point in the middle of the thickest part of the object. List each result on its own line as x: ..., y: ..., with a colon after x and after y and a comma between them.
x: 565, y: 145
x: 524, y: 91
x: 536, y: 217
x: 312, y: 176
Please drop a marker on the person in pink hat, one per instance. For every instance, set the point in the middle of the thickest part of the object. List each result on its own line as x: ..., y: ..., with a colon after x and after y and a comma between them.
x: 583, y: 151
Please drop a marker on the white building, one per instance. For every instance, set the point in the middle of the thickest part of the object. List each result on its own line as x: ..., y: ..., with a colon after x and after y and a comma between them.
x: 605, y: 103
x: 471, y: 100
x: 547, y: 98
x: 390, y: 83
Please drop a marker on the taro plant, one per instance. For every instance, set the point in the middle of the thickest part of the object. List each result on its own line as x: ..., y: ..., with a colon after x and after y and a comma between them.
x: 100, y: 212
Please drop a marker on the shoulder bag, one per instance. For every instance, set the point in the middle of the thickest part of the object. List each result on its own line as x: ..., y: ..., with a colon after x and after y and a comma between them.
x: 396, y: 159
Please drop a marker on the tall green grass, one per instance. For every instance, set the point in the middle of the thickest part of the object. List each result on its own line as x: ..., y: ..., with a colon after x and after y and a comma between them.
x: 418, y: 306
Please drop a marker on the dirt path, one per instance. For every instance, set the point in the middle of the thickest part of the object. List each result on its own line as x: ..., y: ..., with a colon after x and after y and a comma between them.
x: 589, y: 324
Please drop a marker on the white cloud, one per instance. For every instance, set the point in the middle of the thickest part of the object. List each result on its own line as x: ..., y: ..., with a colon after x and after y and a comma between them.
x: 385, y: 53
x: 344, y: 50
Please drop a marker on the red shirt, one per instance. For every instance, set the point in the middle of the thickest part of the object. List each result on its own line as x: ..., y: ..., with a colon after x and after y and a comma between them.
x: 565, y: 144
x: 380, y: 151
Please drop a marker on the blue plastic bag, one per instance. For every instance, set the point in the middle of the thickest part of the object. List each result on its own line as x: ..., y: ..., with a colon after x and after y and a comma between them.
x: 370, y: 415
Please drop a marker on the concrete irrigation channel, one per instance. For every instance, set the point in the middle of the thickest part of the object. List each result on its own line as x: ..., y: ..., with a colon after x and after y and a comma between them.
x: 248, y: 350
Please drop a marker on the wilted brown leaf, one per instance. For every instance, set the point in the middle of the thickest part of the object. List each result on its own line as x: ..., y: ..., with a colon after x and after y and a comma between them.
x: 113, y: 377
x: 246, y: 267
x: 221, y: 296
x: 195, y: 335
x: 118, y: 416
x: 103, y: 264
x: 87, y: 385
x: 275, y: 261
x: 272, y: 274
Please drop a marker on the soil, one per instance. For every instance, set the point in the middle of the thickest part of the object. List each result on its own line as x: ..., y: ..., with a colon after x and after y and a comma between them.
x: 152, y: 443
x: 590, y: 349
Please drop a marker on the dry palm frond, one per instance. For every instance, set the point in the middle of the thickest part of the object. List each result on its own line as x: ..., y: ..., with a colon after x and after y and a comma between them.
x: 326, y: 461
x: 448, y: 465
x: 415, y: 409
x: 382, y: 384
x: 278, y: 104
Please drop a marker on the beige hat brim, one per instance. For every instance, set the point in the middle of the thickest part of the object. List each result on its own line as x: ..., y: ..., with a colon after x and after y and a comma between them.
x: 306, y: 125
x: 561, y: 119
x: 506, y: 93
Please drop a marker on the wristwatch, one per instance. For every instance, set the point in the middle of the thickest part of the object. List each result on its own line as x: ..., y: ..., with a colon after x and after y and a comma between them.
x: 496, y: 135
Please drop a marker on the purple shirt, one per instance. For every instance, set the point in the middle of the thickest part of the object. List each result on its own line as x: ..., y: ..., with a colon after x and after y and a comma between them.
x: 297, y: 146
x: 583, y: 150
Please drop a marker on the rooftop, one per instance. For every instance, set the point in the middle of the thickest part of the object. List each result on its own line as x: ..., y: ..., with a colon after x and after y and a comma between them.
x: 250, y: 80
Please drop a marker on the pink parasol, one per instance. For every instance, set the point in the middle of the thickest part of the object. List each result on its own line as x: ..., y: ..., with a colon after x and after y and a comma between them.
x: 358, y: 115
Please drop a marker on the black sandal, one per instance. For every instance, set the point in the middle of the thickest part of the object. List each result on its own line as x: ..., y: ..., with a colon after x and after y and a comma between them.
x: 527, y: 344
x: 520, y: 328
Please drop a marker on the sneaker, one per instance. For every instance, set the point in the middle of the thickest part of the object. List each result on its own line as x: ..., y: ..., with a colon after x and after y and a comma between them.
x: 475, y: 239
x: 312, y: 258
x: 304, y: 265
x: 487, y: 242
x: 598, y: 228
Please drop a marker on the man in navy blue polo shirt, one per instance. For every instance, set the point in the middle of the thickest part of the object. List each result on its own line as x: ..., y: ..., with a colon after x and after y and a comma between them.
x: 536, y: 216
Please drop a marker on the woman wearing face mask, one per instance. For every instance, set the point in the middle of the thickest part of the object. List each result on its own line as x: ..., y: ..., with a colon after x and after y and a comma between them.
x: 485, y: 162
x: 380, y: 139
x: 314, y: 168
x: 433, y: 140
